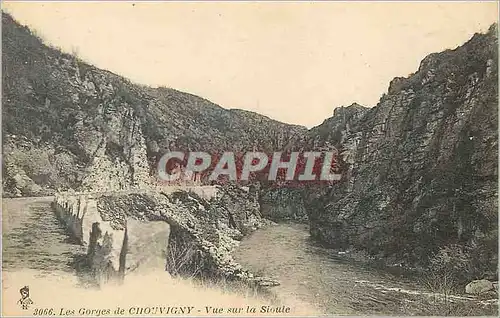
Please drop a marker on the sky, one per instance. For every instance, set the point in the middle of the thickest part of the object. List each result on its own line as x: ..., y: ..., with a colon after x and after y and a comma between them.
x: 292, y: 61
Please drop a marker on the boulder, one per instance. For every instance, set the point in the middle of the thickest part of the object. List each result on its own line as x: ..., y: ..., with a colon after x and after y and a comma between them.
x: 479, y: 286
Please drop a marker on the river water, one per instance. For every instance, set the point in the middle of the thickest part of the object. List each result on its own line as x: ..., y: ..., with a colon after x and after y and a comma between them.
x: 332, y: 283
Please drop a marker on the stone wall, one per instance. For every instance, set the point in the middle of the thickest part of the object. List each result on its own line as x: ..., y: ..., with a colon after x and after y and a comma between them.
x: 104, y: 241
x: 114, y: 248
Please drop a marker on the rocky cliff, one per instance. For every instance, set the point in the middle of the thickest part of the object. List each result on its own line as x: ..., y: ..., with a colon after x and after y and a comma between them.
x: 67, y: 124
x: 421, y: 167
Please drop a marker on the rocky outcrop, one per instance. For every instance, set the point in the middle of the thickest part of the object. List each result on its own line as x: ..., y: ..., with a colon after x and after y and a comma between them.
x: 335, y: 130
x: 280, y: 203
x: 479, y: 286
x: 283, y: 204
x: 197, y: 238
x: 420, y: 169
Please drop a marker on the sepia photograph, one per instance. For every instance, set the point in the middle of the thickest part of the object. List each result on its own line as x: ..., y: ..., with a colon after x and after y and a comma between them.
x: 249, y: 158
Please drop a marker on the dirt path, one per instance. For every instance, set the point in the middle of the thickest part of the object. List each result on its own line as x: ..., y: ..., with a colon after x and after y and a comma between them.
x: 33, y: 237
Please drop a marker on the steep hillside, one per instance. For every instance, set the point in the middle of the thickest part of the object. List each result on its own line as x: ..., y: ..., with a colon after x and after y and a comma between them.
x: 67, y: 124
x: 421, y: 167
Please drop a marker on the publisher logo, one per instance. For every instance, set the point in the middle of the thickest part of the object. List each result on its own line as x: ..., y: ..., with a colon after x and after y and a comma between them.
x: 25, y: 300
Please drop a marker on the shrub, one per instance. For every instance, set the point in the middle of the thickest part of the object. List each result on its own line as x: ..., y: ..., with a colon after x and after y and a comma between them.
x: 183, y: 259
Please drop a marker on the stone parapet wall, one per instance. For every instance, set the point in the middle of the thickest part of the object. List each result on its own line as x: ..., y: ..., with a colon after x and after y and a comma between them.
x: 79, y: 213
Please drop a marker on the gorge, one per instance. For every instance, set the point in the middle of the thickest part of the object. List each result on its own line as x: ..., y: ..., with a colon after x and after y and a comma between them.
x: 418, y: 188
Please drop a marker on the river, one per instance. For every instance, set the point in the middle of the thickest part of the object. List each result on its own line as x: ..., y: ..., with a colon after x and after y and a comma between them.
x: 335, y: 284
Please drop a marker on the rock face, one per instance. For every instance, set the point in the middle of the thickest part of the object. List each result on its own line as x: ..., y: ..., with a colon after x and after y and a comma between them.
x: 69, y: 125
x: 284, y: 204
x: 288, y: 203
x: 421, y: 167
x: 190, y: 235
